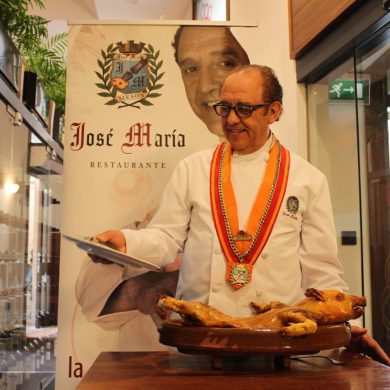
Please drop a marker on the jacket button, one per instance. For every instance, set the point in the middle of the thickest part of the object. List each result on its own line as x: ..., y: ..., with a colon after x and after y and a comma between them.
x: 264, y: 255
x: 215, y: 288
x: 217, y: 251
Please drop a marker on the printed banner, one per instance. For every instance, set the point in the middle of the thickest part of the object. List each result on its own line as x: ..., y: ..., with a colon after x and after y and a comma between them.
x: 138, y: 100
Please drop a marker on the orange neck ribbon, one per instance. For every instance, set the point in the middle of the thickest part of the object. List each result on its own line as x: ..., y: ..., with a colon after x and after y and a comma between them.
x: 242, y: 249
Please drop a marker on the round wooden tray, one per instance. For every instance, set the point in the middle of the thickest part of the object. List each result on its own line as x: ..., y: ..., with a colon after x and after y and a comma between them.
x: 228, y: 341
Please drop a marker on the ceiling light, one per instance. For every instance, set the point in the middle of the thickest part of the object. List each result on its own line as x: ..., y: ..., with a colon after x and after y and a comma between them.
x: 11, y: 188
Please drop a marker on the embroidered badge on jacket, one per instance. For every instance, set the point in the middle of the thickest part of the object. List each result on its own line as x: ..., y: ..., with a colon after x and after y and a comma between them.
x: 292, y: 204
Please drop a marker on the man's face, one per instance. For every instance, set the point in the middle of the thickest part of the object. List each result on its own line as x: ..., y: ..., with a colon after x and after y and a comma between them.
x: 247, y: 135
x: 206, y: 55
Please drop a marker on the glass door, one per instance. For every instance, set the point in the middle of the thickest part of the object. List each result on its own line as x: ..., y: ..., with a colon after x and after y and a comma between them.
x: 333, y: 149
x: 373, y: 64
x: 349, y: 140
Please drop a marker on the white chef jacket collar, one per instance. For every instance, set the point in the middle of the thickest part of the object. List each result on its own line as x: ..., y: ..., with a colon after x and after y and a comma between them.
x: 259, y: 153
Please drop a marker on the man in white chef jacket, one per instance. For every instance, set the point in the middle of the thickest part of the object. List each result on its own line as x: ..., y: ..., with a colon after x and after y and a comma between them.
x: 252, y: 221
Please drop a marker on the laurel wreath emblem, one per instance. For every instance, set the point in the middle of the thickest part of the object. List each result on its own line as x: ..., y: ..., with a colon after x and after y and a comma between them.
x: 105, y: 84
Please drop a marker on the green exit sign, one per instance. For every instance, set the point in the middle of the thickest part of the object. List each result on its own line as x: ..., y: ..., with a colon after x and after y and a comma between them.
x: 345, y: 89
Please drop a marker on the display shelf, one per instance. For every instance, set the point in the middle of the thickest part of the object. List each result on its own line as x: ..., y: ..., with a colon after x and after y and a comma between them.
x: 10, y: 98
x: 27, y: 363
x: 29, y: 246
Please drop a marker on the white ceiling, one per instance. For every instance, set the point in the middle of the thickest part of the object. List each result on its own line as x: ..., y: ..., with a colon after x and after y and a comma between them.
x: 115, y: 9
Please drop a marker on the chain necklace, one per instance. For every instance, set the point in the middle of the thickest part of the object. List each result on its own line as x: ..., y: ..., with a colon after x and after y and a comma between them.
x: 239, y: 255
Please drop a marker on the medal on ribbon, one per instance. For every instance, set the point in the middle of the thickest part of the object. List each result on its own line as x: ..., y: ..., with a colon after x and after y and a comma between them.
x: 239, y: 273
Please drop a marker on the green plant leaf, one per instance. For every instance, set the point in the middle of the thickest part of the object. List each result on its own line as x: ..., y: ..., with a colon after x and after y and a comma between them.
x: 102, y: 86
x: 101, y: 65
x: 146, y: 103
x: 154, y: 95
x: 99, y: 75
x: 159, y: 76
x: 57, y: 44
x: 111, y: 102
x: 158, y: 86
x: 159, y: 65
x: 104, y: 94
x: 42, y: 55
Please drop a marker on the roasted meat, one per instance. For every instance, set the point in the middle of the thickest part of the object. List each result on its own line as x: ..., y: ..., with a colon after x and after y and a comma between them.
x: 319, y: 307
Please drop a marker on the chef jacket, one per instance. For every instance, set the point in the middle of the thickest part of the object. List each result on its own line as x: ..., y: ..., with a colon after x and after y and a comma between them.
x: 300, y: 253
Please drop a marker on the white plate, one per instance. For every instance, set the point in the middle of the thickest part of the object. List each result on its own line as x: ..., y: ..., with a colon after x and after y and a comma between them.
x: 107, y: 253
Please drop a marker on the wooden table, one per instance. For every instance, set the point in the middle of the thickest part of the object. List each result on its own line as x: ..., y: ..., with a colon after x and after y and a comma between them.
x: 173, y: 370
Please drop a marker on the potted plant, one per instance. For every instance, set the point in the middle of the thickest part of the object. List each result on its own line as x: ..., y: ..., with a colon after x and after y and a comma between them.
x: 48, y: 62
x: 40, y: 55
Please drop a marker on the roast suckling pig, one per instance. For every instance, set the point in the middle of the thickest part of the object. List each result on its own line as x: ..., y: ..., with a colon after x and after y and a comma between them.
x: 320, y: 307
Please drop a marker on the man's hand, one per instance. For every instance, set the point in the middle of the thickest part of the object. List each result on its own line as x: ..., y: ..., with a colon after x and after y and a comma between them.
x: 362, y: 342
x: 114, y: 238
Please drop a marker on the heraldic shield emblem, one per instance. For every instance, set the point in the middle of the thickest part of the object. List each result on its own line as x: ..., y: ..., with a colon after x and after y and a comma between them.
x: 129, y: 74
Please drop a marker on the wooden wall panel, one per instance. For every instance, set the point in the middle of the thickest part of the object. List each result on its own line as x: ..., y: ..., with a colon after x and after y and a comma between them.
x: 308, y: 18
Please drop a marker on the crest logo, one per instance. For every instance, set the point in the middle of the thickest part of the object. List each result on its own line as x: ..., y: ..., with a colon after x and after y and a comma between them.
x: 129, y: 74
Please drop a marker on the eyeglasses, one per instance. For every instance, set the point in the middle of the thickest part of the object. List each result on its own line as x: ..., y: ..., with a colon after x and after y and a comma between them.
x: 241, y: 111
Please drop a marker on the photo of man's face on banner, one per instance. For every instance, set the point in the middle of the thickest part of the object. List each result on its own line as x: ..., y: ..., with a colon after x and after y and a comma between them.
x: 206, y: 55
x: 139, y: 100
